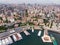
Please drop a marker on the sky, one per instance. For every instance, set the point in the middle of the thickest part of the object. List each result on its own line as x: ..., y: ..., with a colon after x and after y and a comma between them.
x: 31, y: 1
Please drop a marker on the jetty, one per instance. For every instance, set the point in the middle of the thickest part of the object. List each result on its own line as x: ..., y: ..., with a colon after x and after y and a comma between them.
x: 46, y: 37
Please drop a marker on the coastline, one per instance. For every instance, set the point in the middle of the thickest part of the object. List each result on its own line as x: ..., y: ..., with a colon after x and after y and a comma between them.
x: 19, y: 30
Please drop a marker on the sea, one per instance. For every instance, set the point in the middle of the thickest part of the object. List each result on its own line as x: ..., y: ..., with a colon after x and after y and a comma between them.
x: 34, y: 39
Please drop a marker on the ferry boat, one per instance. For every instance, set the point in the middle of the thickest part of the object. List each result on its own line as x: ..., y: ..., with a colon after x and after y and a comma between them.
x: 14, y: 37
x: 7, y: 41
x: 10, y: 40
x: 3, y: 42
x: 26, y: 32
x: 53, y: 40
x: 19, y: 35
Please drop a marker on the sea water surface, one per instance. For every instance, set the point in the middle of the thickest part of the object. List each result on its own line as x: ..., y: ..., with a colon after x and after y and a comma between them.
x: 33, y: 38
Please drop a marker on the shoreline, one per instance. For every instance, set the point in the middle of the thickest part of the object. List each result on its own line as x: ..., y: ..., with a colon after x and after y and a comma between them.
x: 19, y: 30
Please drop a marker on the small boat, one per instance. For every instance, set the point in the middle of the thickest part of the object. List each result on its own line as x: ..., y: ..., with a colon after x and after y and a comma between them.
x: 7, y: 41
x: 26, y: 32
x: 0, y: 42
x: 10, y: 40
x: 14, y: 37
x: 3, y: 42
x: 18, y: 36
x: 53, y: 40
x: 39, y: 33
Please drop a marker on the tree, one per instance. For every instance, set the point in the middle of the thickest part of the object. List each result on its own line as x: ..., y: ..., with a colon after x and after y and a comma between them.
x: 6, y: 20
x: 0, y: 18
x: 26, y: 12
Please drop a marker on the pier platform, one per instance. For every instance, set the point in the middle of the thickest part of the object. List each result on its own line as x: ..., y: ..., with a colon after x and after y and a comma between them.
x: 46, y: 38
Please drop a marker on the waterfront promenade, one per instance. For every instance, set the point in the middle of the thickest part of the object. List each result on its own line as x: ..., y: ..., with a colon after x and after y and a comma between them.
x: 21, y: 29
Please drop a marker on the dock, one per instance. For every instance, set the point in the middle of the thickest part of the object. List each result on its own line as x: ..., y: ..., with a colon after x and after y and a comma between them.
x: 46, y: 37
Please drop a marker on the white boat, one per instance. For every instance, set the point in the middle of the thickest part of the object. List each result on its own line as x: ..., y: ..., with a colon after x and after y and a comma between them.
x: 32, y: 30
x: 39, y: 33
x: 7, y: 41
x: 26, y: 32
x: 0, y: 42
x: 10, y: 40
x: 14, y: 37
x: 3, y: 42
x: 19, y: 35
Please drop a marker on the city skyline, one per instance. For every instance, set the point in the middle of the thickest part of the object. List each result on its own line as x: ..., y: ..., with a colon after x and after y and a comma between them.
x: 31, y: 1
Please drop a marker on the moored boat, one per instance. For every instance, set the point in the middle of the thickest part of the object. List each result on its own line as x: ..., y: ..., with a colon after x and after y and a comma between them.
x: 26, y: 32
x: 14, y: 37
x: 10, y: 40
x: 7, y: 41
x: 39, y: 33
x: 19, y: 35
x: 3, y: 42
x: 53, y: 40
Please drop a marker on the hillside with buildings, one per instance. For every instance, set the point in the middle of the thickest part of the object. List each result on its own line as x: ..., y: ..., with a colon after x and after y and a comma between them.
x: 27, y: 14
